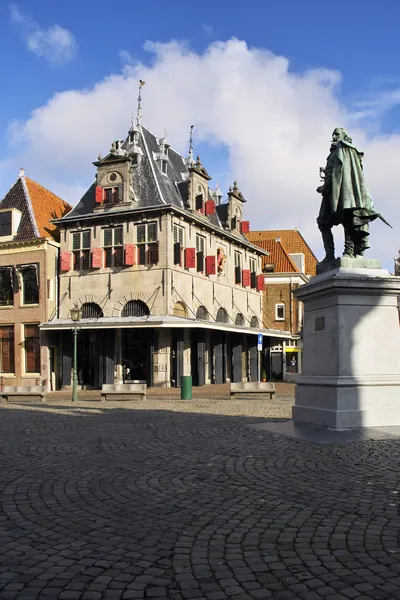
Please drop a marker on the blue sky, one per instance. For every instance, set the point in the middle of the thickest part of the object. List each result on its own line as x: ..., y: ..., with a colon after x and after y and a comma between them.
x: 256, y: 58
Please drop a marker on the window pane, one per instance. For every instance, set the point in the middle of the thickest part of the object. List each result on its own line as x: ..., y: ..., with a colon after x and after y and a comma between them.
x: 108, y: 257
x: 77, y: 257
x: 141, y: 234
x: 152, y: 232
x: 142, y: 254
x: 5, y: 223
x: 119, y: 256
x: 86, y: 239
x: 32, y: 349
x: 6, y: 288
x: 200, y: 243
x: 110, y: 194
x: 107, y: 237
x: 76, y: 241
x: 86, y: 259
x: 7, y: 348
x: 117, y: 236
x: 30, y: 286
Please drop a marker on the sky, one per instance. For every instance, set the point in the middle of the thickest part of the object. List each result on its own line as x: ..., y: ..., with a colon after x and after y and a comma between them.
x: 263, y: 81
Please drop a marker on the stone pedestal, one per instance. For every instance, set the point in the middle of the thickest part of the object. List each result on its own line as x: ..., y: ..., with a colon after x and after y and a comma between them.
x: 351, y: 356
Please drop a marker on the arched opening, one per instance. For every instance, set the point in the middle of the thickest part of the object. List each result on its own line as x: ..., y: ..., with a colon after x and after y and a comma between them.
x: 239, y: 320
x: 254, y: 322
x: 135, y: 308
x: 202, y: 313
x: 91, y: 310
x: 222, y: 316
x: 180, y: 310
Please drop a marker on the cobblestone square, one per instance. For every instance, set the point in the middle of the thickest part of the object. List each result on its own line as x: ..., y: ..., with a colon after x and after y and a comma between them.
x: 182, y: 500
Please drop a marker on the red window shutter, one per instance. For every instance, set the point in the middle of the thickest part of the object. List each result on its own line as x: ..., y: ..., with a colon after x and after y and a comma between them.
x: 99, y: 195
x: 129, y: 254
x: 245, y: 226
x: 246, y: 278
x: 65, y: 261
x: 152, y: 256
x: 97, y: 258
x: 210, y: 207
x: 260, y: 283
x: 190, y: 258
x: 210, y: 265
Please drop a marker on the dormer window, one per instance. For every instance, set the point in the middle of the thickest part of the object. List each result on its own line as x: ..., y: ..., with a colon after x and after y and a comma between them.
x: 164, y: 166
x: 113, y: 195
x: 9, y: 223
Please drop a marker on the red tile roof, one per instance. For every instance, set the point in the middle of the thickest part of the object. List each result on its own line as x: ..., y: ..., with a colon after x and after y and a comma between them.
x: 279, y: 256
x: 46, y: 206
x: 293, y: 242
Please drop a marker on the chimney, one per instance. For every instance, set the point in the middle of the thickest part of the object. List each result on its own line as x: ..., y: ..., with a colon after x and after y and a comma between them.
x: 22, y: 172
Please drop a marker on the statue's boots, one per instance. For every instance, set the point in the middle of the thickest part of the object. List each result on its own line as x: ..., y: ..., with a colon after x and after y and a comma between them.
x: 329, y: 245
x: 348, y: 246
x: 360, y: 246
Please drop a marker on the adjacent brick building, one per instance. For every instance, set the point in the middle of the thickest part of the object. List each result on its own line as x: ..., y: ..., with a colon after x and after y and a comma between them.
x: 290, y: 263
x: 29, y: 248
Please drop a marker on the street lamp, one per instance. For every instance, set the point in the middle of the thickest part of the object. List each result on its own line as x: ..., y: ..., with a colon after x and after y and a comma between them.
x: 75, y: 317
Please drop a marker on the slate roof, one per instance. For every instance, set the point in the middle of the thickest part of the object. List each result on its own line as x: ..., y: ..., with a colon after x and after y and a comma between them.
x: 279, y: 256
x: 293, y: 242
x: 38, y: 206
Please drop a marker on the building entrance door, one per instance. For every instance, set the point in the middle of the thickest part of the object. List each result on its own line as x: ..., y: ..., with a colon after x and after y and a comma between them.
x: 88, y: 358
x: 137, y: 357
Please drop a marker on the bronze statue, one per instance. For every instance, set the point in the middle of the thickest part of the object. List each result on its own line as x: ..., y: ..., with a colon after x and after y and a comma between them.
x: 345, y: 198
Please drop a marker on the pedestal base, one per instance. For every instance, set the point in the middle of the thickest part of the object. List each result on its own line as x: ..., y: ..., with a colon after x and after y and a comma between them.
x: 348, y: 402
x: 351, y: 341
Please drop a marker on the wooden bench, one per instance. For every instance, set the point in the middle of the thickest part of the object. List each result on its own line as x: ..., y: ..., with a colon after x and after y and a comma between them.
x: 252, y: 387
x: 123, y: 391
x: 22, y: 392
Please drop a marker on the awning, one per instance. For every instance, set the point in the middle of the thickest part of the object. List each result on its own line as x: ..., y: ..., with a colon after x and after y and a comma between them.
x: 158, y: 322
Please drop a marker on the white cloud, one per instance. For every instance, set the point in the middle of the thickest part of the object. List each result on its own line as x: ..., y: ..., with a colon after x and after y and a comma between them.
x: 56, y: 44
x: 274, y: 124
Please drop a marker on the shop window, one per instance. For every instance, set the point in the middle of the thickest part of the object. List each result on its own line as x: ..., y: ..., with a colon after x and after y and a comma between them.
x: 279, y: 312
x: 81, y: 249
x: 6, y: 287
x: 113, y: 247
x: 7, y: 349
x: 32, y: 348
x: 147, y: 243
x: 30, y: 285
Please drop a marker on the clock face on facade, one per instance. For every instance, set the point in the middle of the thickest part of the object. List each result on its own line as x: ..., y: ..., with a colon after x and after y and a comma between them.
x: 113, y: 176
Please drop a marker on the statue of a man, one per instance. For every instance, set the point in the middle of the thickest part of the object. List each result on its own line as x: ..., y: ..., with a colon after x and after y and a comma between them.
x: 345, y: 198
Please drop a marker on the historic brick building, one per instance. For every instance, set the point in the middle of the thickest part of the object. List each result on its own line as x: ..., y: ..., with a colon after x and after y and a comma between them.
x: 290, y: 263
x: 167, y: 281
x: 28, y: 281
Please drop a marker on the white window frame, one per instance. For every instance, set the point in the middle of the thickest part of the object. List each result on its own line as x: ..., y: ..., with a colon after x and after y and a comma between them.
x: 277, y: 306
x: 114, y: 246
x: 81, y: 249
x: 146, y: 243
x: 179, y: 235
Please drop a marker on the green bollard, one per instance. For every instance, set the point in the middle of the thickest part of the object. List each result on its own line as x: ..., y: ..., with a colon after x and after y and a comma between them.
x: 186, y: 387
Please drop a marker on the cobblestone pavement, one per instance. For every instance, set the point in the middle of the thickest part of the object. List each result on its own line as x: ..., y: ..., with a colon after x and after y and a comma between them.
x: 181, y: 500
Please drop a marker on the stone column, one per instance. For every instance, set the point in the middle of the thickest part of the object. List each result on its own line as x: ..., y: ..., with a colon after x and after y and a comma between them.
x: 119, y: 375
x: 351, y: 341
x: 162, y: 358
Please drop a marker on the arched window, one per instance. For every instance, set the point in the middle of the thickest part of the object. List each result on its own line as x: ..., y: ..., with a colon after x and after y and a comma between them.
x: 202, y: 313
x: 91, y: 310
x: 254, y: 322
x: 222, y: 316
x: 135, y: 308
x: 180, y: 310
x: 239, y: 319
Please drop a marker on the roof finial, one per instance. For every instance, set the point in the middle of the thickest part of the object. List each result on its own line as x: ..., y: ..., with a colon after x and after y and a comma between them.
x: 190, y: 159
x: 139, y: 105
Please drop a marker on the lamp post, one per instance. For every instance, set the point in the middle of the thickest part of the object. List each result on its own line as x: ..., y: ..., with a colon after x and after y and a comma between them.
x: 75, y: 317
